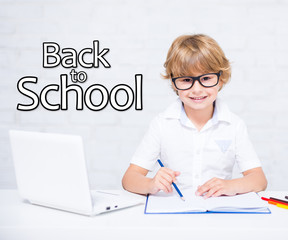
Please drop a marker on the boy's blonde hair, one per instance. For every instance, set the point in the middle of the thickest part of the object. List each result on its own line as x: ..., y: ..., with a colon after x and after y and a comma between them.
x: 196, y: 53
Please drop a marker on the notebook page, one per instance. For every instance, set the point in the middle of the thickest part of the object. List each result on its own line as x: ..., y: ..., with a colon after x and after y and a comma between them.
x: 172, y: 203
x: 242, y: 202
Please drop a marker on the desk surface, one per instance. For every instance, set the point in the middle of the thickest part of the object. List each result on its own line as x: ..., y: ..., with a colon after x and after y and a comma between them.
x: 19, y: 220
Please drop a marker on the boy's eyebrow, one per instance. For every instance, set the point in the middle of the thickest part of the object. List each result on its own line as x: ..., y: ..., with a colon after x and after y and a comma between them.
x: 193, y: 75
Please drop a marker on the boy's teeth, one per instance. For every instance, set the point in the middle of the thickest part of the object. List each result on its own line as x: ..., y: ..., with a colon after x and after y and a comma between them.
x: 198, y: 98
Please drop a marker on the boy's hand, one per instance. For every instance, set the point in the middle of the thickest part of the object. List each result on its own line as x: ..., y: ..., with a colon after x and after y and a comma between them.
x: 216, y: 187
x: 163, y: 180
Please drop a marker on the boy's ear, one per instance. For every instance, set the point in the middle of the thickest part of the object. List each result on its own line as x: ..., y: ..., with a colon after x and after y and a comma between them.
x: 220, y: 85
x: 174, y: 88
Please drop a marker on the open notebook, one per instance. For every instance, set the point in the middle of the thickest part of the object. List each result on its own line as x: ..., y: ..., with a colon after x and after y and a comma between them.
x: 163, y: 203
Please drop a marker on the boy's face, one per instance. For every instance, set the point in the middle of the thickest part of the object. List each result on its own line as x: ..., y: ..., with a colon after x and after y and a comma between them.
x: 198, y: 97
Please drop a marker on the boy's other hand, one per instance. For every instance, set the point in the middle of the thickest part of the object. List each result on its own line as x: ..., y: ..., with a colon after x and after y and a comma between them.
x: 216, y: 187
x: 163, y: 180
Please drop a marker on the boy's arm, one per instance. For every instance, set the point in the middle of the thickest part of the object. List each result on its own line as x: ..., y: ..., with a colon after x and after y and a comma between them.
x: 135, y: 180
x: 253, y: 180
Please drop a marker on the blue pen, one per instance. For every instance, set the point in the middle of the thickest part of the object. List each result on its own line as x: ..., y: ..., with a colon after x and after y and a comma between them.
x: 174, y: 184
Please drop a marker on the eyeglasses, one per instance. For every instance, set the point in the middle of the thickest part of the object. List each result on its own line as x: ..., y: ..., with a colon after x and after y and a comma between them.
x: 206, y: 80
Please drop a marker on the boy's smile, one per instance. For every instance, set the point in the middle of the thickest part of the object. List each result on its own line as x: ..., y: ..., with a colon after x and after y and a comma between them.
x: 198, y: 99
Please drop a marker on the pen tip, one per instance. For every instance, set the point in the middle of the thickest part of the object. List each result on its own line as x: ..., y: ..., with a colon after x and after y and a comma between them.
x: 183, y: 198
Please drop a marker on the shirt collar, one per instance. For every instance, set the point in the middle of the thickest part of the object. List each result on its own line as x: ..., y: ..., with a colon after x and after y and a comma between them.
x: 221, y: 112
x: 176, y: 111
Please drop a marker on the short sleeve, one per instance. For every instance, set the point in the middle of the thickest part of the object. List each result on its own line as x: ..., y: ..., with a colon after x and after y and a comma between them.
x: 148, y: 151
x: 246, y: 156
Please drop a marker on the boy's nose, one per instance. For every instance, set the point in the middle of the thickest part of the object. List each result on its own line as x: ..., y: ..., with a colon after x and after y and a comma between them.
x: 196, y: 86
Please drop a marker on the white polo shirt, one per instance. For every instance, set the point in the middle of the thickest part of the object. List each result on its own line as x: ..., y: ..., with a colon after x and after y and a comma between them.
x: 198, y: 155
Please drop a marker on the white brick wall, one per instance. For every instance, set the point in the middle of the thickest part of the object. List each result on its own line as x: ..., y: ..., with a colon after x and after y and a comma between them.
x: 253, y: 34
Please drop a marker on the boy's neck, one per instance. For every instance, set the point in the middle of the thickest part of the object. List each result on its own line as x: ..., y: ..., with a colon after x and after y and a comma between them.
x: 199, y: 117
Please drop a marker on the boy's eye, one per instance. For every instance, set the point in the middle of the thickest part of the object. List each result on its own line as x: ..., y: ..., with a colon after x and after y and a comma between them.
x: 187, y: 80
x: 205, y: 78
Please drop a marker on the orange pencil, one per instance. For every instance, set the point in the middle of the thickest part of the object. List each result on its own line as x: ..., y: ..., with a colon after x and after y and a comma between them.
x: 271, y: 202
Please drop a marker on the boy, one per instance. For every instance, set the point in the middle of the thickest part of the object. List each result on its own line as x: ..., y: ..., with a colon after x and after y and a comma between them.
x: 197, y: 138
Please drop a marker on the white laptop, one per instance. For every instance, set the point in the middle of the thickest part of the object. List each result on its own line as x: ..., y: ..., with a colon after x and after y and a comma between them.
x: 51, y: 171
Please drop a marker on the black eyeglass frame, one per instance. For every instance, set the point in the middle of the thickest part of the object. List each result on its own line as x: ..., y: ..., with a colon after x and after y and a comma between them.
x: 196, y: 79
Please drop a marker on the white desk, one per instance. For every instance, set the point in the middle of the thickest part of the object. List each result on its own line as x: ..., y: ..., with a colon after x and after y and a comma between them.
x: 19, y: 220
